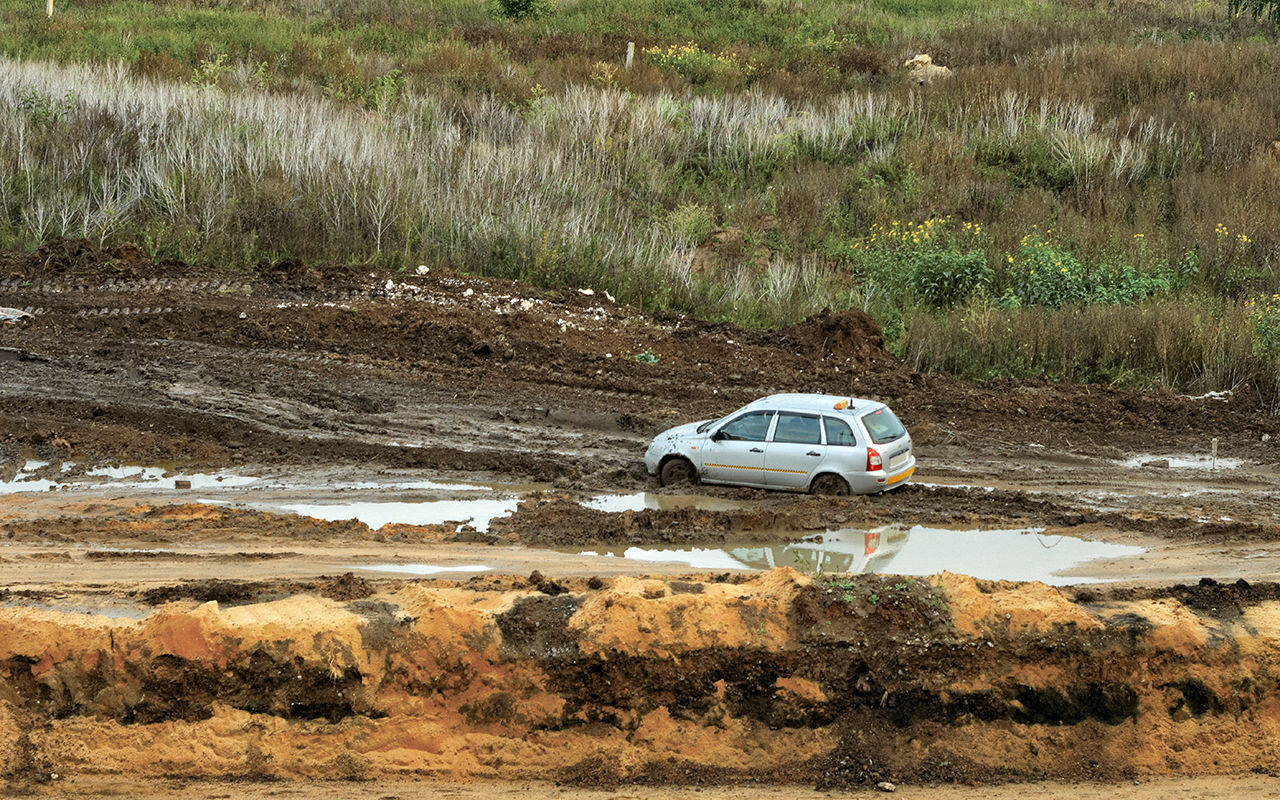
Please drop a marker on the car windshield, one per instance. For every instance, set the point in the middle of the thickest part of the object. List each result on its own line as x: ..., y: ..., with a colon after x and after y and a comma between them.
x: 748, y: 427
x: 883, y: 426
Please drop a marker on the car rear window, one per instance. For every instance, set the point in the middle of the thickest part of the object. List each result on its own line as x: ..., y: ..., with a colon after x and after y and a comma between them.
x: 883, y: 426
x: 838, y: 432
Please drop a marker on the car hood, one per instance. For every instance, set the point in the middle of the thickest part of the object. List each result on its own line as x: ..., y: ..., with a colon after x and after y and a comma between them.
x: 679, y: 432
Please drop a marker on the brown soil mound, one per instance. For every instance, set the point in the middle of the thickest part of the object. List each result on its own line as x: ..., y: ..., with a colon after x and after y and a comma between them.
x: 847, y: 335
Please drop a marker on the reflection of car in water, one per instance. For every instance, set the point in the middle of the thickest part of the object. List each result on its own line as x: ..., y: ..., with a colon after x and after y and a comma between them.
x: 847, y: 550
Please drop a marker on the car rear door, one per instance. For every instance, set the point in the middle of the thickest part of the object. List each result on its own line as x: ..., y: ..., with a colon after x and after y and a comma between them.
x: 734, y: 453
x: 795, y: 450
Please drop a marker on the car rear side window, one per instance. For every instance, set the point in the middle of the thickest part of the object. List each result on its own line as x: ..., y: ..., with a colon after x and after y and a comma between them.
x: 798, y: 429
x: 883, y: 426
x: 748, y: 428
x: 838, y: 432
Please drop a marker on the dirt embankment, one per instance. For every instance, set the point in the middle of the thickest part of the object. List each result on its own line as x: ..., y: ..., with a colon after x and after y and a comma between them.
x: 770, y: 678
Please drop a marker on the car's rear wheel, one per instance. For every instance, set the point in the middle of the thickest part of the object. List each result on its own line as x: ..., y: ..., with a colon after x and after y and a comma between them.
x: 677, y: 471
x: 829, y: 484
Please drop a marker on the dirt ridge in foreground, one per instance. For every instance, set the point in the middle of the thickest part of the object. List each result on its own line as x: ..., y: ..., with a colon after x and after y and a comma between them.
x: 706, y: 679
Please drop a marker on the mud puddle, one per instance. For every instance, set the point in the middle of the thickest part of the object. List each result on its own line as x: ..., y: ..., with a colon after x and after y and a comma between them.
x: 43, y: 476
x: 1013, y: 555
x: 111, y: 609
x: 477, y: 513
x: 422, y: 569
x: 1182, y: 462
x: 641, y: 501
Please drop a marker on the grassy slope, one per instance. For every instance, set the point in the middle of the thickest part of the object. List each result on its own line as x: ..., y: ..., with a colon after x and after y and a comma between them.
x: 1038, y: 132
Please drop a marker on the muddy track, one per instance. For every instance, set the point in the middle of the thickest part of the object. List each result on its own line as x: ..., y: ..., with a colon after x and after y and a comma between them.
x: 127, y: 358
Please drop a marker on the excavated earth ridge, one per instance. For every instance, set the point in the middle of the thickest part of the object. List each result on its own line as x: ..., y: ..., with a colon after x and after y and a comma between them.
x: 774, y: 677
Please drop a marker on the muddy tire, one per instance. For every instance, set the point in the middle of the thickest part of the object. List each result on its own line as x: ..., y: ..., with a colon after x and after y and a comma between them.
x: 677, y: 471
x: 830, y: 485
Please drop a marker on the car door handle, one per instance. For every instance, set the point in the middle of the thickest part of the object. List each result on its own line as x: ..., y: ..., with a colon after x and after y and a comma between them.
x: 756, y: 450
x: 813, y: 453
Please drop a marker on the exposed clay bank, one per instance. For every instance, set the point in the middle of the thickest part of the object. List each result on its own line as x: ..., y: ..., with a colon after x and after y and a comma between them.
x: 772, y: 677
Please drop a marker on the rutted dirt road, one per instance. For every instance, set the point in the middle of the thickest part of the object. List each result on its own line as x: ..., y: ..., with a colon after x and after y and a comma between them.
x: 146, y: 633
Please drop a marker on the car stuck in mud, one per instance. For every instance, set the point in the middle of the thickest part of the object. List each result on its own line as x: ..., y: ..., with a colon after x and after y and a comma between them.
x: 824, y: 444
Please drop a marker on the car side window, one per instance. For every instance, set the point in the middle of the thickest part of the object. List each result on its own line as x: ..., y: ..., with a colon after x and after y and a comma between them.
x: 798, y: 429
x: 748, y: 428
x: 838, y: 431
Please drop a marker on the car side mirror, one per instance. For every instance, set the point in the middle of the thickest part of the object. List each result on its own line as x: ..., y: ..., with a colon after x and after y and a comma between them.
x: 719, y: 436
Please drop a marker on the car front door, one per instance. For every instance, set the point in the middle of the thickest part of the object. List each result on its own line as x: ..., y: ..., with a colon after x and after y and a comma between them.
x: 734, y: 453
x: 795, y: 451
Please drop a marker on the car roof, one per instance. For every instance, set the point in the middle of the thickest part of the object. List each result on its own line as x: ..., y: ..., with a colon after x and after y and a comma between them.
x: 815, y: 402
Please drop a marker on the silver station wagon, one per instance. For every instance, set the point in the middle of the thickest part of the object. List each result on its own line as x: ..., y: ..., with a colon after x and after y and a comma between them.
x: 817, y: 443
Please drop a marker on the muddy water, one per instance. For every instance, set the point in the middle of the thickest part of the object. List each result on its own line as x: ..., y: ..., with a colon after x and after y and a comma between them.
x: 640, y: 501
x: 1182, y: 462
x: 41, y: 476
x: 1015, y: 555
x: 422, y: 569
x: 477, y: 513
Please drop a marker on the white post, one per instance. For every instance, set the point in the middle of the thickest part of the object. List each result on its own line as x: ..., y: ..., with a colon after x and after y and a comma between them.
x: 631, y: 46
x: 1214, y: 452
x: 51, y: 8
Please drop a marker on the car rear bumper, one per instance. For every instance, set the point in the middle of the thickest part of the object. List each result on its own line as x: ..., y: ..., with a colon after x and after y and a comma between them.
x: 878, y: 481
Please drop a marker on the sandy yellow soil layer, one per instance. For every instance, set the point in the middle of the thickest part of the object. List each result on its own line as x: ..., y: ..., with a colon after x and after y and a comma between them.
x: 772, y: 677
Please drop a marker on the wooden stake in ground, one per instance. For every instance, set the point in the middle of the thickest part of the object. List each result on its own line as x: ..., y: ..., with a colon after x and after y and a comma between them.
x: 631, y: 46
x: 50, y: 8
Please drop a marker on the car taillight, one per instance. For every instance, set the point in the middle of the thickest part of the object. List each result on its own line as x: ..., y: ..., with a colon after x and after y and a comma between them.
x: 874, y: 462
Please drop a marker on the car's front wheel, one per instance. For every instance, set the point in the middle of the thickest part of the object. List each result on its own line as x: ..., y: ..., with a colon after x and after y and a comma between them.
x: 677, y: 471
x: 830, y: 484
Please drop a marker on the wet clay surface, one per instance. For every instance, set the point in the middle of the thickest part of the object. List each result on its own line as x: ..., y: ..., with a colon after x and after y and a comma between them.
x: 166, y: 635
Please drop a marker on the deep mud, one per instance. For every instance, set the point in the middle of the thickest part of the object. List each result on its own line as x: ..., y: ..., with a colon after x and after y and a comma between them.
x: 150, y: 635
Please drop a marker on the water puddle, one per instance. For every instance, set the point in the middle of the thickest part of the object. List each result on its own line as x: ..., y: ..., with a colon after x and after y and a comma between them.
x: 640, y: 501
x: 28, y: 478
x: 1181, y: 462
x: 1012, y: 555
x: 696, y: 557
x: 111, y: 611
x: 406, y: 486
x: 25, y: 480
x: 477, y: 513
x: 421, y: 569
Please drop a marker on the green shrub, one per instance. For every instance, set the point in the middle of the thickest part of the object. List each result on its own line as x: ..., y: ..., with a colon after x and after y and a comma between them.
x: 690, y: 223
x: 945, y: 278
x: 1264, y: 313
x: 696, y: 65
x: 524, y: 9
x: 41, y: 108
x: 1043, y: 274
x: 1126, y: 285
